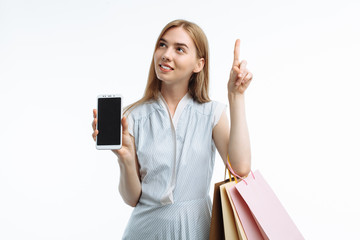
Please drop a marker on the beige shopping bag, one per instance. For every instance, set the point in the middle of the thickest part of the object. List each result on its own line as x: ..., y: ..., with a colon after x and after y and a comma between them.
x: 239, y: 227
x: 225, y: 223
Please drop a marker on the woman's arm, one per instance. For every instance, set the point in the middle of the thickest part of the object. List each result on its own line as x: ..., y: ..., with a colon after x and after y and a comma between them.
x: 235, y: 142
x: 239, y: 140
x: 130, y: 185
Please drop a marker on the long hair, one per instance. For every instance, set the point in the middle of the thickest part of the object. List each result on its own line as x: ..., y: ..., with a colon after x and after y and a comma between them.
x: 199, y: 82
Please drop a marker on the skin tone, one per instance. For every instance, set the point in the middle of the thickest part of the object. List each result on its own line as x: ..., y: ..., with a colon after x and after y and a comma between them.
x: 236, y: 142
x: 175, y: 61
x: 129, y: 185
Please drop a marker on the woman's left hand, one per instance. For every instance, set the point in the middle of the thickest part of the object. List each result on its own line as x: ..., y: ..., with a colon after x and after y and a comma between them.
x: 240, y: 77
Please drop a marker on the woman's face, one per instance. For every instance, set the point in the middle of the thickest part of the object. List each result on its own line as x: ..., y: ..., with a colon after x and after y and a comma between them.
x: 175, y: 57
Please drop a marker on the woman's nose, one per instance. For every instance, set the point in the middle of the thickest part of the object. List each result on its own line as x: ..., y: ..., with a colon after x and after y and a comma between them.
x: 166, y: 55
x: 164, y: 58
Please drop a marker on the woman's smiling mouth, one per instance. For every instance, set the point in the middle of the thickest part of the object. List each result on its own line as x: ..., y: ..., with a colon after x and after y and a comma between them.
x: 165, y: 67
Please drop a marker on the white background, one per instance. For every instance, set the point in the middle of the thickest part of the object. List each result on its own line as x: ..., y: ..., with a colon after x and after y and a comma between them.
x: 302, y: 106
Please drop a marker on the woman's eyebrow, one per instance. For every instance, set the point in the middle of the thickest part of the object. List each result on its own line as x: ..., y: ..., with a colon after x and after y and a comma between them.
x: 181, y: 44
x: 177, y: 44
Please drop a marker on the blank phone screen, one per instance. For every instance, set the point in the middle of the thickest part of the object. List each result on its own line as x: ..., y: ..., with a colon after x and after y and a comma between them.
x: 109, y: 121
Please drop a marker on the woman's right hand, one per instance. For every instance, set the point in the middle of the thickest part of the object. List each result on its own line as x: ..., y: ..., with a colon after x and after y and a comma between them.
x: 127, y: 152
x: 130, y: 184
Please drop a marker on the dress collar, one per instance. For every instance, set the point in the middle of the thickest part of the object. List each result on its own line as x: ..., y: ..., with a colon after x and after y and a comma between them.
x: 179, y: 108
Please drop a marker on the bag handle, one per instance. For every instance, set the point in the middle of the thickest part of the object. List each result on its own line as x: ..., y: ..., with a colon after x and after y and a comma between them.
x: 230, y: 174
x: 231, y: 170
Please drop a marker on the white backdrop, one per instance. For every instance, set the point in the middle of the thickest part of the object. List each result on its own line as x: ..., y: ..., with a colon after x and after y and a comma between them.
x: 302, y: 106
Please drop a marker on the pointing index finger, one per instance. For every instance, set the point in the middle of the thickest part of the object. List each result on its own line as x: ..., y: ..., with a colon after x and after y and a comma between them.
x: 237, y: 51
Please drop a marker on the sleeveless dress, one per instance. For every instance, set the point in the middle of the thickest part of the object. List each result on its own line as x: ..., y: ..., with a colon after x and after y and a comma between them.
x: 176, y: 157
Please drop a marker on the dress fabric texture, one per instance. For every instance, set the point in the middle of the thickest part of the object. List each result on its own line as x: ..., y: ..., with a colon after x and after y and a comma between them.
x: 176, y: 157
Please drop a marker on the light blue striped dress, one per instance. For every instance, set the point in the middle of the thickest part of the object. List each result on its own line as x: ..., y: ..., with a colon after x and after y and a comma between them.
x: 176, y: 156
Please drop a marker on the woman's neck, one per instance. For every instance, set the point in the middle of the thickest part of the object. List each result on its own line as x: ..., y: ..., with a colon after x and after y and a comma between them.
x: 172, y: 96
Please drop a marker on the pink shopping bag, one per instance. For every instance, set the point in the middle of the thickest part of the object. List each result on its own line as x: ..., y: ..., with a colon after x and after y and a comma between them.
x: 256, y: 199
x: 251, y: 228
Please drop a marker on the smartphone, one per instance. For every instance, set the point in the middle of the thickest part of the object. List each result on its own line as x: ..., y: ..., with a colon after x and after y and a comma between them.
x: 109, y: 114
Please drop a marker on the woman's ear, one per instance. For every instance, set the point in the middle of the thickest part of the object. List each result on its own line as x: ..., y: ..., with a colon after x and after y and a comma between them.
x: 199, y: 65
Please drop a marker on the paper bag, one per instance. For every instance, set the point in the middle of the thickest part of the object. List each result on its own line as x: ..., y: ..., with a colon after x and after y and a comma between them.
x: 270, y: 216
x: 216, y: 225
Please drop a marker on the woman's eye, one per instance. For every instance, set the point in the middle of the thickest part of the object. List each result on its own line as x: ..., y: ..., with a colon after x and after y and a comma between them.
x: 180, y: 49
x: 162, y: 45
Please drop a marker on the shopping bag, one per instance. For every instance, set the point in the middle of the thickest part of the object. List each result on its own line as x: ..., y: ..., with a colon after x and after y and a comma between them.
x: 225, y: 223
x: 216, y: 225
x: 251, y: 228
x: 230, y: 230
x: 234, y: 218
x: 253, y: 198
x: 222, y: 226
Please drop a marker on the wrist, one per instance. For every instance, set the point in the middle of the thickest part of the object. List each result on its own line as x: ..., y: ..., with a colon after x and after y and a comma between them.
x: 125, y: 164
x: 235, y: 96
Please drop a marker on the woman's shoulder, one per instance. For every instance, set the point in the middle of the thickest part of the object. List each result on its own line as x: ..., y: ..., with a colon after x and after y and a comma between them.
x: 208, y: 108
x: 143, y: 109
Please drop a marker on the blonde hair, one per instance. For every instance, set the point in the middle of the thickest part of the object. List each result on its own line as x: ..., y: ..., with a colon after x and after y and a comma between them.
x: 199, y: 82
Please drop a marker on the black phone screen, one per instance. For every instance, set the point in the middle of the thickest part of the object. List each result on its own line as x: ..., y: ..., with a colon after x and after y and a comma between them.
x: 109, y: 121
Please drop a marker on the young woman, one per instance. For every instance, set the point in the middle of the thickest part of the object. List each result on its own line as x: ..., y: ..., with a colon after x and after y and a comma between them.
x: 170, y: 135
